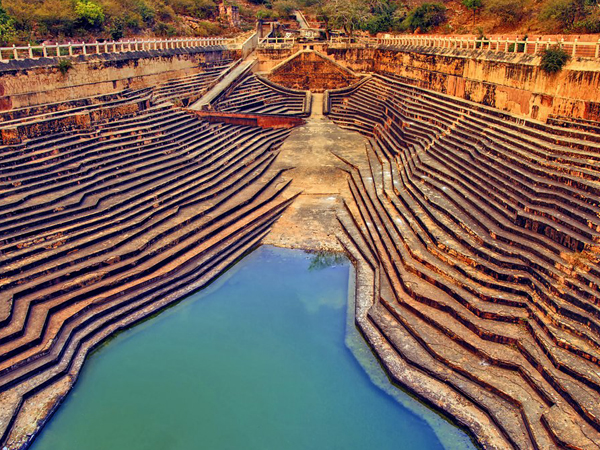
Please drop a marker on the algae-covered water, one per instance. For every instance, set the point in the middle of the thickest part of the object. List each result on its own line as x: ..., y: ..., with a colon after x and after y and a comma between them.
x: 256, y: 361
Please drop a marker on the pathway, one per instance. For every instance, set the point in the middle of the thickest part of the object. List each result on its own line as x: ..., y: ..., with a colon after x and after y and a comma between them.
x: 310, y: 222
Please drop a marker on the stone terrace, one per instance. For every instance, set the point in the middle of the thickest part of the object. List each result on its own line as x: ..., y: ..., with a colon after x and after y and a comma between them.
x: 107, y: 220
x: 475, y: 236
x: 477, y: 242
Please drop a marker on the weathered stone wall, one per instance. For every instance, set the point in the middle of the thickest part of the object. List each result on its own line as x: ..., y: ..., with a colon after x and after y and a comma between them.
x: 312, y: 71
x: 32, y: 82
x: 510, y: 82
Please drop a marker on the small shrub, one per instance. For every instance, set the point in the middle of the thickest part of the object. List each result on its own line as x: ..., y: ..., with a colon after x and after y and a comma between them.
x: 165, y: 29
x: 64, y: 65
x: 117, y: 30
x: 553, y: 60
x: 205, y: 28
x: 264, y: 13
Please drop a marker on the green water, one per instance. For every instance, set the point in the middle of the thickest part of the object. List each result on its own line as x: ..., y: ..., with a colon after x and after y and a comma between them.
x: 256, y: 361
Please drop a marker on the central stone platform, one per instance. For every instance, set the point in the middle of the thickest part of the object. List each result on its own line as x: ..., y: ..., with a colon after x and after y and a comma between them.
x: 311, y: 221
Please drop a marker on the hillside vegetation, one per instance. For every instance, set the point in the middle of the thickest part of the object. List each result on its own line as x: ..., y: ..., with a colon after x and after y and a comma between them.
x: 23, y: 21
x: 462, y: 16
x: 35, y: 20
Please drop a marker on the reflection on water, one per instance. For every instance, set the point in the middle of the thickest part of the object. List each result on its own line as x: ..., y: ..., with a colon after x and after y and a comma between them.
x: 256, y: 361
x: 322, y: 260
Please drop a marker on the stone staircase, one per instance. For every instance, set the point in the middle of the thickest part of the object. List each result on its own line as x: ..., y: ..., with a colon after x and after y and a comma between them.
x: 481, y: 235
x: 104, y: 225
x: 253, y: 94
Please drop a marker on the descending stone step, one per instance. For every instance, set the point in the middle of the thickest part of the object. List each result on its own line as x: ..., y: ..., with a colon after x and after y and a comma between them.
x: 106, y: 224
x: 484, y: 235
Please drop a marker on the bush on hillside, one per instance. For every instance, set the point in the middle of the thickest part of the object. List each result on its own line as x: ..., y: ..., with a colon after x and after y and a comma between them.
x: 589, y: 24
x: 284, y: 8
x: 509, y: 11
x: 564, y: 12
x: 165, y: 29
x: 205, y: 28
x: 264, y: 13
x: 146, y: 12
x: 89, y: 14
x: 553, y: 60
x: 7, y: 27
x: 116, y: 30
x: 200, y: 9
x: 426, y: 16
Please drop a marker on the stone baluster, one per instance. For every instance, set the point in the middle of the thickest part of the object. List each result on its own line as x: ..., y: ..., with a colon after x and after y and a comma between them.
x: 537, y: 46
x: 574, y: 49
x: 44, y: 51
x: 30, y: 50
x: 70, y: 49
x: 597, y: 54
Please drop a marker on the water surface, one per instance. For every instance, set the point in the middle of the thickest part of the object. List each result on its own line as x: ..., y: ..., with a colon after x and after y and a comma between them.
x: 256, y: 361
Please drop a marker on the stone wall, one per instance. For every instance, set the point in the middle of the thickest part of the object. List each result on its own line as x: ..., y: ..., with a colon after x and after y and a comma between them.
x: 510, y: 82
x: 32, y: 82
x: 308, y: 70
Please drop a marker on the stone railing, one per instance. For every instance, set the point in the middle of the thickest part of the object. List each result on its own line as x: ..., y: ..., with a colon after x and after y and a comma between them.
x: 90, y: 48
x: 505, y: 45
x: 574, y: 48
x: 287, y: 42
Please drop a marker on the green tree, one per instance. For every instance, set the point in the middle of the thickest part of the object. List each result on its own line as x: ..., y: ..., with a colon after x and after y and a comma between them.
x: 350, y: 15
x: 383, y: 16
x: 7, y: 26
x: 146, y: 12
x: 473, y: 5
x: 89, y: 14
